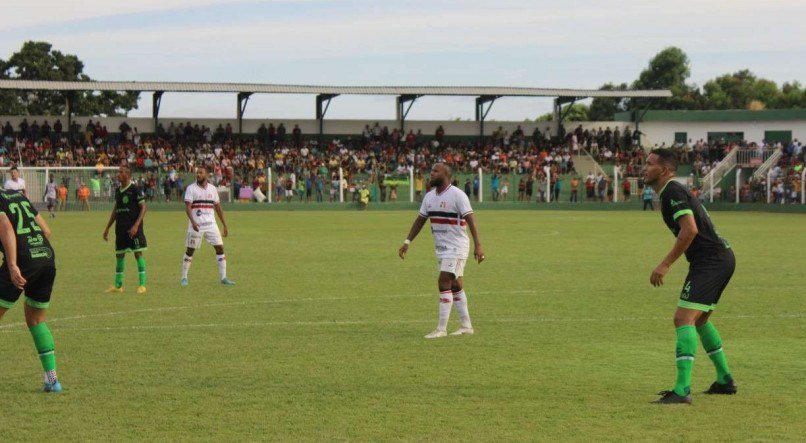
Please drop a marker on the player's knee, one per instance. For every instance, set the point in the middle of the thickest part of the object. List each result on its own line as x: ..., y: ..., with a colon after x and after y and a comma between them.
x: 219, y: 250
x: 189, y: 252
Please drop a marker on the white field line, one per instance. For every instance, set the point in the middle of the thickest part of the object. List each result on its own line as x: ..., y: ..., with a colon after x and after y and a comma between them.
x: 395, y: 322
x: 252, y: 302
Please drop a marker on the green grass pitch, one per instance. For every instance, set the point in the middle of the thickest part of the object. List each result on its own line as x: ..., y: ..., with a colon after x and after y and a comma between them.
x: 322, y: 338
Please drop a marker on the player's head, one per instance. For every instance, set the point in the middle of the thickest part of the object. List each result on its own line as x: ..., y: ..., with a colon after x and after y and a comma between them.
x: 660, y: 164
x: 15, y: 173
x: 124, y: 173
x: 440, y: 175
x: 201, y: 175
x: 52, y: 178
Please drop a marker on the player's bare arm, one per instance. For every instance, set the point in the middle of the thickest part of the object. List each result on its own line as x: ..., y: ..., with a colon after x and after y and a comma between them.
x: 136, y: 226
x: 43, y: 225
x: 688, y: 231
x: 220, y: 213
x: 189, y: 213
x: 110, y: 222
x: 9, y: 241
x: 478, y: 251
x: 416, y: 227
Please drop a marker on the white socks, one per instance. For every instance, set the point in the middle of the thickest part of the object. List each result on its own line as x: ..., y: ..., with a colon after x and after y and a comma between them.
x: 460, y: 303
x: 222, y: 266
x: 186, y: 265
x: 445, y: 302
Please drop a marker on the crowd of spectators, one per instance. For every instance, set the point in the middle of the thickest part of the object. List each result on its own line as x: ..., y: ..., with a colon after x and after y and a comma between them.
x: 378, y: 156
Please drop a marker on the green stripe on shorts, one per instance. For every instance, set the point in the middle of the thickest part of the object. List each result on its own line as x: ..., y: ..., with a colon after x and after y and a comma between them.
x: 36, y: 304
x: 695, y: 306
x: 6, y: 304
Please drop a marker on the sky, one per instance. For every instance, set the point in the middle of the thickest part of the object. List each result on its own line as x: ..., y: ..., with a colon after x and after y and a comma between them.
x: 560, y: 43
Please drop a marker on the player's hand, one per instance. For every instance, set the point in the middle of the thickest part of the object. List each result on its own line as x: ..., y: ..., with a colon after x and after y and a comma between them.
x: 106, y: 235
x: 195, y: 226
x: 478, y: 253
x: 657, y: 275
x: 133, y: 231
x: 226, y: 232
x: 16, y: 276
x: 402, y: 251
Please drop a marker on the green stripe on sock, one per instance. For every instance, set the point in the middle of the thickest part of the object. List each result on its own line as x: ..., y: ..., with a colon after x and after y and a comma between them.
x: 685, y: 348
x: 712, y: 342
x: 141, y: 269
x: 45, y: 347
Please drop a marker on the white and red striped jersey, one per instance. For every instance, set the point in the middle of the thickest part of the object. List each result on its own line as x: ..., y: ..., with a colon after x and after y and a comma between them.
x: 447, y: 212
x: 202, y: 202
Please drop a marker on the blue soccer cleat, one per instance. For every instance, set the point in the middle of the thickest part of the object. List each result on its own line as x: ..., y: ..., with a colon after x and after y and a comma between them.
x: 54, y: 387
x: 183, y: 282
x: 227, y: 282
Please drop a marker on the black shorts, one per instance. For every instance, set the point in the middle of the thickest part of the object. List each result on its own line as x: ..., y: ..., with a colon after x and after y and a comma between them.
x: 124, y: 243
x: 38, y: 287
x: 706, y: 280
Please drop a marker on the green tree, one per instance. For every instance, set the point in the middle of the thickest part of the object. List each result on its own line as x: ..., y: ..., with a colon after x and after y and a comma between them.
x: 603, y: 108
x: 38, y: 61
x: 577, y: 113
x: 669, y: 69
x: 739, y: 89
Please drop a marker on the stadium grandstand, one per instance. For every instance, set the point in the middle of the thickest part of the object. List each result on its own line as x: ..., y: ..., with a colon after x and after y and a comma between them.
x: 330, y: 161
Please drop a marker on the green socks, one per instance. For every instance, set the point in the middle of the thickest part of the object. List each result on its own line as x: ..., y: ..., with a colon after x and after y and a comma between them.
x: 141, y: 269
x: 43, y: 340
x: 712, y: 343
x: 120, y: 268
x: 685, y: 349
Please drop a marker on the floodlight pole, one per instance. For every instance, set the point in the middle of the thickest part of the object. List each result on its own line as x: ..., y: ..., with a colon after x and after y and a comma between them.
x: 738, y: 183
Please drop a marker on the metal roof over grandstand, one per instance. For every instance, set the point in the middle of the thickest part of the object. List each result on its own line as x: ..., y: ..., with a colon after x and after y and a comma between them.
x: 311, y: 89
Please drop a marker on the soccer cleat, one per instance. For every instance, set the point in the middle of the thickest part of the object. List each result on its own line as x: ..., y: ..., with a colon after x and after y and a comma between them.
x: 141, y: 289
x: 227, y: 282
x: 183, y: 282
x: 671, y: 398
x: 463, y: 331
x: 115, y: 290
x: 728, y: 388
x: 54, y: 387
x: 437, y: 334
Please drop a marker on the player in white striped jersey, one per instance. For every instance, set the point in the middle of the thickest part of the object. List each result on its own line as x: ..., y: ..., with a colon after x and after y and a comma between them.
x: 449, y: 210
x: 201, y: 206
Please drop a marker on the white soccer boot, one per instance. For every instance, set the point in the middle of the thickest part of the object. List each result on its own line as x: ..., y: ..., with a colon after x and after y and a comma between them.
x: 437, y: 334
x: 463, y: 331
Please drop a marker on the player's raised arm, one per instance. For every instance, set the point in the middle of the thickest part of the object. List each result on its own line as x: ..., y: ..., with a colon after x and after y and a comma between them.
x: 478, y: 251
x: 111, y: 221
x: 418, y: 224
x: 9, y: 241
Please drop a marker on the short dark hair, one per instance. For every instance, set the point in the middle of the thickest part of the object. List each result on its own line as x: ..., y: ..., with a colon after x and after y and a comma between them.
x: 667, y: 158
x: 14, y: 168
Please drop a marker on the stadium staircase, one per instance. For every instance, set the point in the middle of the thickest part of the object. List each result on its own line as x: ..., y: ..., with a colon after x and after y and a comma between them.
x: 716, y: 174
x: 771, y: 161
x: 584, y: 162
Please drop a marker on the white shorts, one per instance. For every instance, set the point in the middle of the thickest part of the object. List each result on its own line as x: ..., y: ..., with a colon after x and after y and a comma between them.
x: 455, y: 266
x: 289, y: 193
x: 211, y: 234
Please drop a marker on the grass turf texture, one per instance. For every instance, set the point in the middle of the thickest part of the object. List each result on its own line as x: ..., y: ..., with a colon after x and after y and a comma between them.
x: 322, y: 336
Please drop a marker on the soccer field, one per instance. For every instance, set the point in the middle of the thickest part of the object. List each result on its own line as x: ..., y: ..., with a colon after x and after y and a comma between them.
x: 322, y: 338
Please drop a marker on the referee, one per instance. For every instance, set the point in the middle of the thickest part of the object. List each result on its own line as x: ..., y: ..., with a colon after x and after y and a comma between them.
x: 711, y: 265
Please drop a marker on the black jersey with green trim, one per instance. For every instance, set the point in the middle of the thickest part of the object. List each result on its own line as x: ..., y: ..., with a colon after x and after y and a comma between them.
x: 33, y: 249
x: 675, y: 202
x: 128, y: 201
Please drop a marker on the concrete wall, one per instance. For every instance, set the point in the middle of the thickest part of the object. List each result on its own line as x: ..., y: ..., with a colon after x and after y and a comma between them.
x: 654, y: 132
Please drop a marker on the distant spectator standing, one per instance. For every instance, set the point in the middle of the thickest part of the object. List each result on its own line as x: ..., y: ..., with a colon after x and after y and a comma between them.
x: 648, y: 196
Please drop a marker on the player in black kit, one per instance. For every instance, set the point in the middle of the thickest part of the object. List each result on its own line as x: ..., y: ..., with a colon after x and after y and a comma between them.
x: 711, y: 265
x: 127, y: 215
